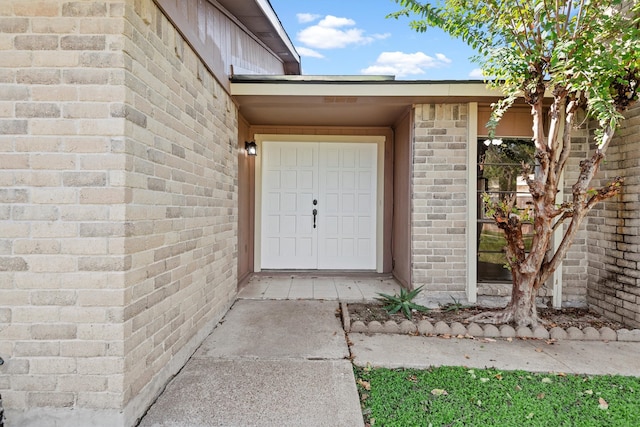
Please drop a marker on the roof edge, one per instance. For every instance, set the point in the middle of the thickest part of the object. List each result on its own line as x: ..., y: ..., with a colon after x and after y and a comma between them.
x: 270, y: 13
x: 261, y: 78
x: 351, y: 79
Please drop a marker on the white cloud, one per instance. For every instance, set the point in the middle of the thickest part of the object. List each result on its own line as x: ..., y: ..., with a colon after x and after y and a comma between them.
x: 331, y: 21
x: 333, y: 32
x: 305, y: 51
x: 306, y: 17
x: 381, y: 36
x: 442, y: 57
x: 404, y: 64
x: 476, y: 73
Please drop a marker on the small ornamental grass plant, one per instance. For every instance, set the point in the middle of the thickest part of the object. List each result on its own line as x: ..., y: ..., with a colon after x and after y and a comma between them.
x: 402, y: 303
x: 454, y: 306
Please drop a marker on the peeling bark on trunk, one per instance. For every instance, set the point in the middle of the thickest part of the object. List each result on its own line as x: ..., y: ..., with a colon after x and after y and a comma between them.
x: 521, y: 310
x: 523, y: 307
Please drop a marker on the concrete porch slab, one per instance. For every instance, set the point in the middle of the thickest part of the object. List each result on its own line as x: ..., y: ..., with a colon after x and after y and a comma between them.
x: 320, y: 286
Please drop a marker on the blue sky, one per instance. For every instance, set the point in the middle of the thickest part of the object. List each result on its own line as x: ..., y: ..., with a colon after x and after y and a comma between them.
x: 352, y: 37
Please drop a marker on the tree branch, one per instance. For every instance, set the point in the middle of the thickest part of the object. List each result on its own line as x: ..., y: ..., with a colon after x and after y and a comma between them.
x: 550, y: 266
x: 560, y: 221
x: 567, y: 15
x: 566, y: 136
x: 576, y: 29
x: 538, y: 124
x: 555, y: 113
x: 526, y: 47
x: 606, y: 192
x: 588, y: 168
x: 557, y: 19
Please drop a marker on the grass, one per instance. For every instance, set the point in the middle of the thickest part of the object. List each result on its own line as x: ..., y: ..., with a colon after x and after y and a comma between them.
x: 458, y: 396
x: 492, y: 244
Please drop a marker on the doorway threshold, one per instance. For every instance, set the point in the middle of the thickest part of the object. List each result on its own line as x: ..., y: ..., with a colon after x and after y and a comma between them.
x: 330, y: 285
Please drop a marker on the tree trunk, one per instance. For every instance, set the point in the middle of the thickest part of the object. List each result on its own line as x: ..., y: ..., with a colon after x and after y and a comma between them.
x: 521, y: 310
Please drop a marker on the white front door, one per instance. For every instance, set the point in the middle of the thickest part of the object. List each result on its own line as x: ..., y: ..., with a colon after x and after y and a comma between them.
x: 338, y: 182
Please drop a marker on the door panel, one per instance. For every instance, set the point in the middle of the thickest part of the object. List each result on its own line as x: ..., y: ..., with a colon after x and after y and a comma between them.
x: 342, y: 177
x: 290, y: 183
x: 347, y: 206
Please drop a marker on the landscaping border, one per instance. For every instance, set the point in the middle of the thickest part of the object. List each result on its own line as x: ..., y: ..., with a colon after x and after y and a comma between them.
x: 457, y: 329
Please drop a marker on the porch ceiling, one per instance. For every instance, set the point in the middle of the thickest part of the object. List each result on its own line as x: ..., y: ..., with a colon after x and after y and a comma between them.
x: 343, y: 101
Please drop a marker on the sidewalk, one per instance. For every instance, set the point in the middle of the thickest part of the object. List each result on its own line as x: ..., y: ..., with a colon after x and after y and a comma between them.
x: 570, y: 357
x: 270, y: 363
x: 286, y: 363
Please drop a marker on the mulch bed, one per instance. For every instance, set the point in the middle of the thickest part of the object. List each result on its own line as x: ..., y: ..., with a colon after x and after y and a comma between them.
x: 563, y: 318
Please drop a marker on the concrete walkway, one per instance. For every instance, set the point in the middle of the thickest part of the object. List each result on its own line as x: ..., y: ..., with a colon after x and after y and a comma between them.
x: 270, y: 363
x: 286, y: 363
x: 567, y: 356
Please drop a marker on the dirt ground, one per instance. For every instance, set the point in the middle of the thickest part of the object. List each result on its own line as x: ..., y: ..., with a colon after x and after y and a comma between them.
x: 563, y: 318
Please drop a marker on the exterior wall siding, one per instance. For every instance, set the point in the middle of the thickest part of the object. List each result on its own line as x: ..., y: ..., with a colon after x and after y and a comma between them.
x: 614, y: 231
x: 220, y: 41
x: 118, y: 209
x: 401, y: 241
x: 439, y: 198
x: 246, y: 201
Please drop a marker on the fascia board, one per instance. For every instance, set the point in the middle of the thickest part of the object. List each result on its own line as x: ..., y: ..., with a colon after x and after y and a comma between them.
x: 328, y: 89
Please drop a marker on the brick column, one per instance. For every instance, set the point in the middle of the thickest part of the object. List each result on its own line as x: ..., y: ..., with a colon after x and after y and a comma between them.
x: 439, y: 198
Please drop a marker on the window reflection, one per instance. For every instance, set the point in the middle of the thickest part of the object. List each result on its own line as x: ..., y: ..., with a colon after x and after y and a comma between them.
x: 500, y: 176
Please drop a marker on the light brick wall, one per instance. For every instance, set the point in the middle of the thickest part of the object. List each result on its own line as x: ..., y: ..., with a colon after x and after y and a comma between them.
x: 439, y: 199
x: 574, y: 265
x: 439, y: 211
x: 62, y: 287
x: 118, y: 208
x: 182, y: 217
x: 614, y: 231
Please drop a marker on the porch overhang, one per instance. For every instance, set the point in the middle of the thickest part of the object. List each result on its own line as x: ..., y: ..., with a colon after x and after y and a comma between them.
x: 354, y: 101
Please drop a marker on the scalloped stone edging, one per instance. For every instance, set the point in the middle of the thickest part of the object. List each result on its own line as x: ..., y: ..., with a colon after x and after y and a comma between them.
x: 424, y: 327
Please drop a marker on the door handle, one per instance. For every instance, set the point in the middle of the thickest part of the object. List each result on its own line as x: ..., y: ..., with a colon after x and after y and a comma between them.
x: 315, y: 214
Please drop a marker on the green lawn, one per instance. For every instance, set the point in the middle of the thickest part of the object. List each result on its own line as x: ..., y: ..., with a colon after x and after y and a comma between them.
x: 491, y: 248
x: 458, y: 396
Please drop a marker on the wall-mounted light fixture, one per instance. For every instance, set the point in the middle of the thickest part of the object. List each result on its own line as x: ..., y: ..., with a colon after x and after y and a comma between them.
x: 251, y: 148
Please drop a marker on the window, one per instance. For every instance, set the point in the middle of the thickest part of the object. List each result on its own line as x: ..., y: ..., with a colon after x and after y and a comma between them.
x: 500, y: 176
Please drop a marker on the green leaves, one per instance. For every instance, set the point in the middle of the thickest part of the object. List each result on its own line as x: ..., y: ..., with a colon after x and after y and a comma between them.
x: 532, y: 46
x: 402, y: 303
x: 454, y: 306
